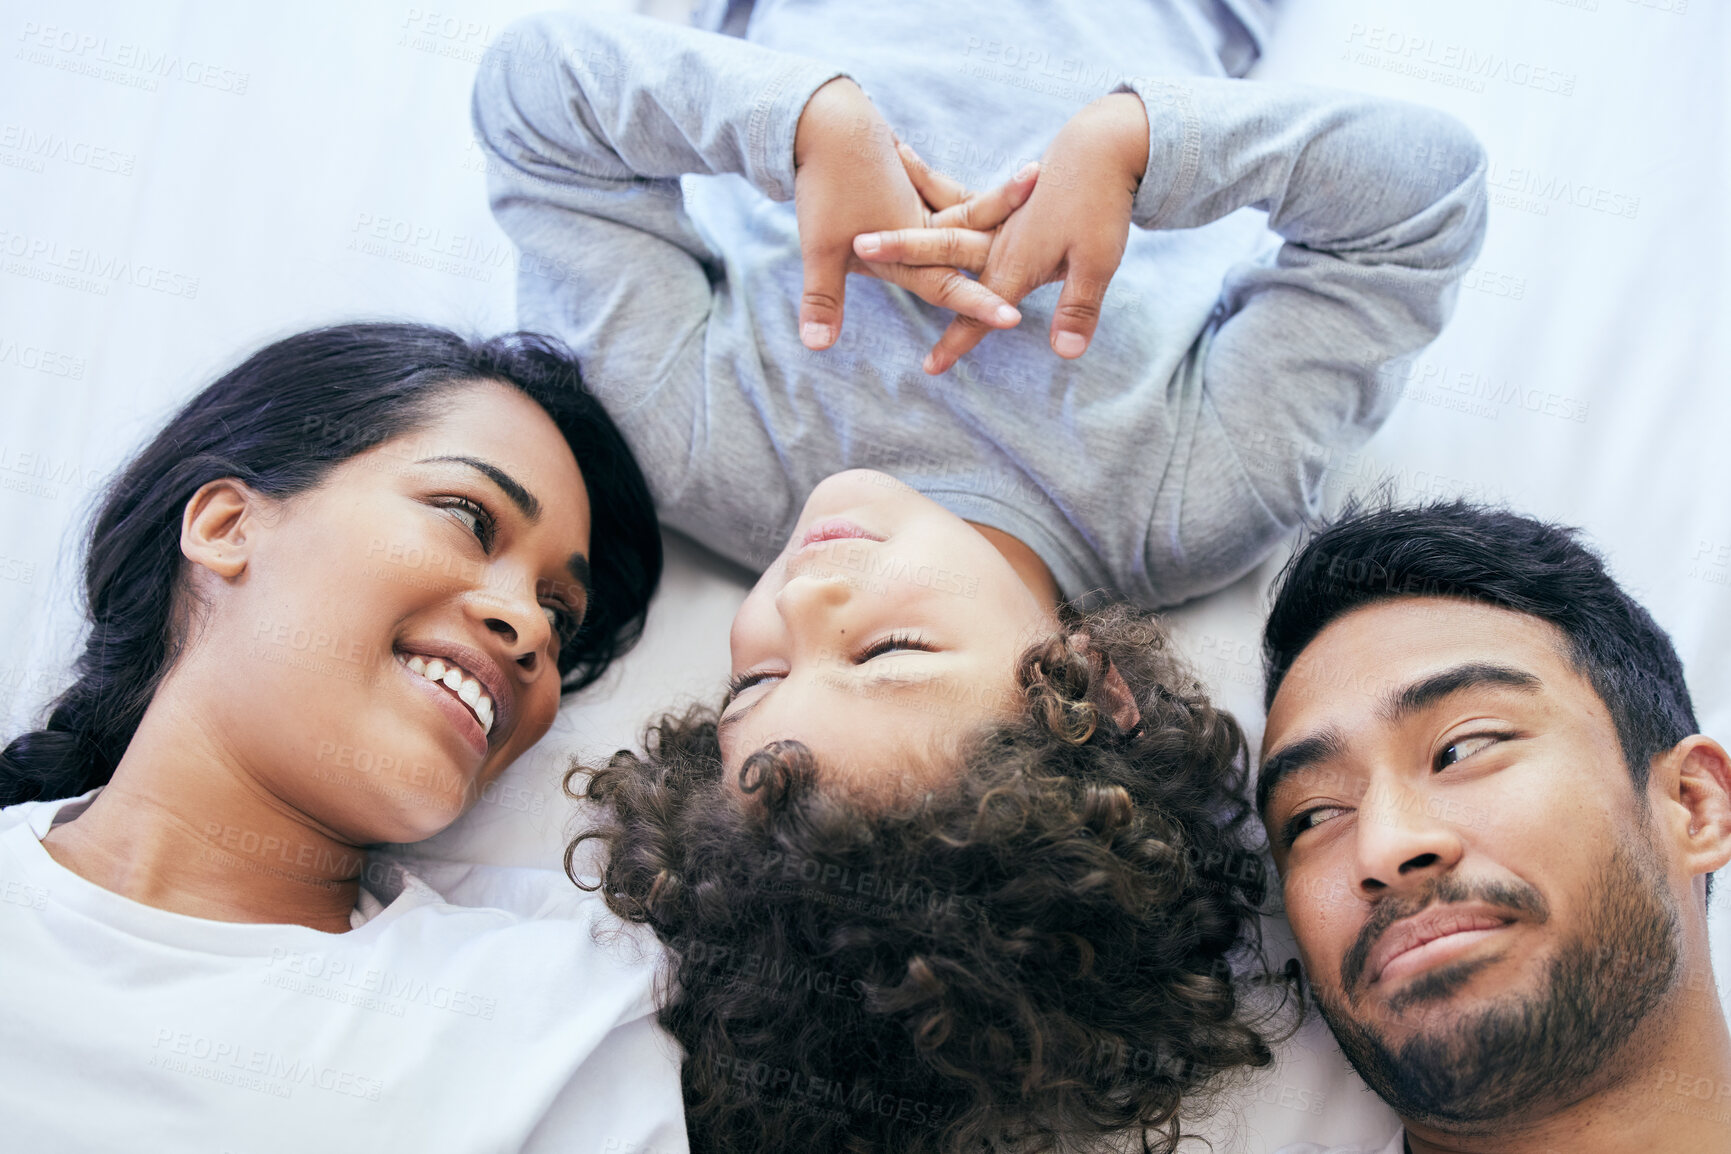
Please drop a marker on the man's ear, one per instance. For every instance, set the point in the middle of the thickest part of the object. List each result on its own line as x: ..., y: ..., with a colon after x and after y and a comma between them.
x: 218, y: 527
x: 1692, y: 782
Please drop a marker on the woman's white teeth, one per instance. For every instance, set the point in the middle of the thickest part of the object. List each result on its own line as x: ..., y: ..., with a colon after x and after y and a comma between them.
x: 468, y: 689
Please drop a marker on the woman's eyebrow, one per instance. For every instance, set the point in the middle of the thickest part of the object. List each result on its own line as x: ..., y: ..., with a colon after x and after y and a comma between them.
x: 526, y: 502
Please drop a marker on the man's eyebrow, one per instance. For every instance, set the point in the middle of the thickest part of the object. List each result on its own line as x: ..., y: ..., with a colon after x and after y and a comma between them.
x: 1397, y: 706
x: 1421, y: 695
x: 1290, y: 759
x: 525, y: 501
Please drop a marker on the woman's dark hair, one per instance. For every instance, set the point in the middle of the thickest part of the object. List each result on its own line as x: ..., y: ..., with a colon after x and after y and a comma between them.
x: 279, y: 422
x: 1480, y: 553
x: 1035, y: 955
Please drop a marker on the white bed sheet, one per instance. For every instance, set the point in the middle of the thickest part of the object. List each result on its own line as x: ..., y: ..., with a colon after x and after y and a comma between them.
x: 181, y: 182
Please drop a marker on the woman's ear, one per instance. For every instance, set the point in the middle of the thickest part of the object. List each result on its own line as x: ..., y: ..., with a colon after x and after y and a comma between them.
x: 218, y: 526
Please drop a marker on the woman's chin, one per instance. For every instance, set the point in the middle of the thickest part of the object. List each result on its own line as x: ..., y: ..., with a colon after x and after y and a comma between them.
x: 406, y: 826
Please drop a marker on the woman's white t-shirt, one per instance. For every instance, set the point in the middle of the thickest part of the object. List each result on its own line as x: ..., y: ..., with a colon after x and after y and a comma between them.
x: 429, y: 1027
x: 1396, y: 1145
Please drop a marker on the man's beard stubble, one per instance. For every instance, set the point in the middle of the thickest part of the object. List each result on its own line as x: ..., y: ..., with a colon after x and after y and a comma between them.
x: 1523, y: 1055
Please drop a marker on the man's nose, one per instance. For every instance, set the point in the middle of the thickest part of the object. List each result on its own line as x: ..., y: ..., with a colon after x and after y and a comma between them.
x: 1402, y: 843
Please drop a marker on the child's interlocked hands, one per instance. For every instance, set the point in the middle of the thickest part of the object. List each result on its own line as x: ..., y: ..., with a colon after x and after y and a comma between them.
x: 1073, y: 227
x: 850, y: 178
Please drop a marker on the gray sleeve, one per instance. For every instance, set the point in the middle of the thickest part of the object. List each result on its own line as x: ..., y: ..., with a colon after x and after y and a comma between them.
x: 1380, y: 206
x: 589, y: 121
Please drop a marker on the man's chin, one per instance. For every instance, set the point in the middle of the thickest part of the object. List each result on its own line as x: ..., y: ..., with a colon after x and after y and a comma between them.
x: 1445, y: 990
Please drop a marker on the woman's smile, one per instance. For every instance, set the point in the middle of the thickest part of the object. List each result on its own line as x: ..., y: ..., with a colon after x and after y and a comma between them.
x: 465, y: 684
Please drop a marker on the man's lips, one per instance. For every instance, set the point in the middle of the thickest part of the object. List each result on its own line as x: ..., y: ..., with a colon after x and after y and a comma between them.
x: 1439, y: 934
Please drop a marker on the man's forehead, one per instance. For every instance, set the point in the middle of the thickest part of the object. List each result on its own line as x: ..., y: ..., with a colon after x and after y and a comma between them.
x: 1354, y: 664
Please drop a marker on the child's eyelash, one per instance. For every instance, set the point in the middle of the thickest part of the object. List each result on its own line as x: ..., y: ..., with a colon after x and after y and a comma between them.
x: 740, y: 682
x: 893, y: 641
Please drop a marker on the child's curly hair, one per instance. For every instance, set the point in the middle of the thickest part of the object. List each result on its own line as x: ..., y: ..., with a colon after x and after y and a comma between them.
x: 1034, y: 956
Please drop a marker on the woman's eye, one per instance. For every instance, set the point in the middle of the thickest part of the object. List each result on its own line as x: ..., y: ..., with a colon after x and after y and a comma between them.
x: 474, y: 517
x: 564, y: 622
x: 1460, y: 750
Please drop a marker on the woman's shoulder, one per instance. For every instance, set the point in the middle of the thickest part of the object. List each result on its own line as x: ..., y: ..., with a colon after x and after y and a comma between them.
x: 525, y: 929
x: 507, y: 903
x: 41, y: 814
x: 511, y: 893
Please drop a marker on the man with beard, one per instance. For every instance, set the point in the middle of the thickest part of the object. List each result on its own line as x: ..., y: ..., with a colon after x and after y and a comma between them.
x: 1495, y: 825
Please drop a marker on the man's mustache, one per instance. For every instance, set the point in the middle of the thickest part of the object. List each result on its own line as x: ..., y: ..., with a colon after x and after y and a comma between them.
x: 1515, y: 897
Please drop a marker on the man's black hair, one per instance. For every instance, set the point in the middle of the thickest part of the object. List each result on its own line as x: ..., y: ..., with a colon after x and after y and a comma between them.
x: 1481, y: 553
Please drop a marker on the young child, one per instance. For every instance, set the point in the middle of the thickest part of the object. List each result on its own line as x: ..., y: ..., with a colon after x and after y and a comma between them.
x: 644, y: 171
x: 937, y: 685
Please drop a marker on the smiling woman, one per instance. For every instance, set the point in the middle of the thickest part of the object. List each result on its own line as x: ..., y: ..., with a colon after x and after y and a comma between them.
x: 339, y: 593
x: 406, y: 442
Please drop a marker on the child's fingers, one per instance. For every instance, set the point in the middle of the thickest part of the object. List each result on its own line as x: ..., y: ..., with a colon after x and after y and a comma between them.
x: 958, y: 340
x: 987, y: 210
x: 820, y: 303
x: 936, y: 189
x: 1079, y: 302
x: 949, y: 289
x: 1013, y: 272
x: 952, y: 247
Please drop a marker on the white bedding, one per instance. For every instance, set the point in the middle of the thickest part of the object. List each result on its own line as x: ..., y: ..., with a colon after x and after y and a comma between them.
x: 181, y: 184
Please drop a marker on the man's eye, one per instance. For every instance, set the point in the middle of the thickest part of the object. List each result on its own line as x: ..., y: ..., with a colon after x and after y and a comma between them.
x: 1309, y: 819
x: 1456, y: 751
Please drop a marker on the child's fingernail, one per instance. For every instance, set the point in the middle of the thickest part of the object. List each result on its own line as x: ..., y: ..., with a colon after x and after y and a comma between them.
x: 1008, y: 315
x: 816, y: 336
x: 933, y: 366
x: 867, y: 244
x: 1069, y: 344
x: 1027, y: 170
